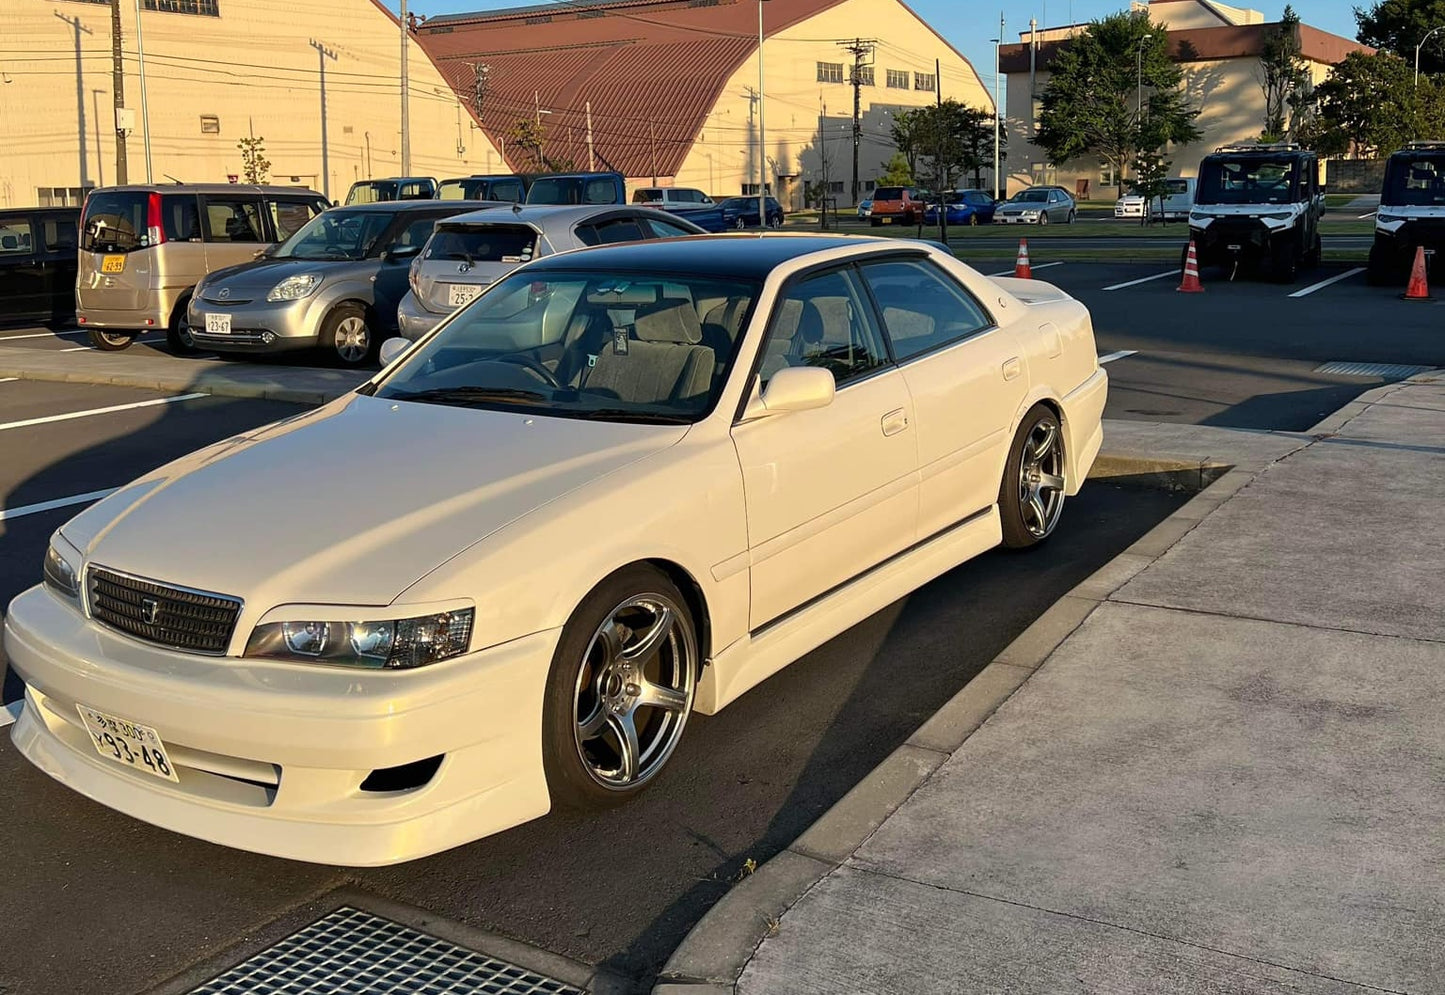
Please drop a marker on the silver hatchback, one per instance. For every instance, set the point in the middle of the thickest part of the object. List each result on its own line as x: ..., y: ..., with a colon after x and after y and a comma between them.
x: 469, y: 252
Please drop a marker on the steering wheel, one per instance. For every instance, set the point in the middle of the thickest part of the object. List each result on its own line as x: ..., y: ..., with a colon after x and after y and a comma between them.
x: 532, y: 366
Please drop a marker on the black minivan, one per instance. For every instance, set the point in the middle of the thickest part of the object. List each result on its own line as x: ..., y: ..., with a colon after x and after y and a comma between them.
x: 38, y: 247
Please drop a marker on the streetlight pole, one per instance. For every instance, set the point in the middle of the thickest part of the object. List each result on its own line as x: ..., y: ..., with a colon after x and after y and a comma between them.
x: 997, y: 110
x: 1417, y: 52
x: 405, y: 108
x: 145, y: 114
x: 762, y: 141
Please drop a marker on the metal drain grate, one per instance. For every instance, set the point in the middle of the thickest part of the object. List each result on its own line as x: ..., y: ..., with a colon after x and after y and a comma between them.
x: 351, y: 952
x: 1385, y: 371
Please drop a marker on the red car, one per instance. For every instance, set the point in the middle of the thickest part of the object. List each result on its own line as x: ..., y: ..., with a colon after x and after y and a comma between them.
x: 897, y: 206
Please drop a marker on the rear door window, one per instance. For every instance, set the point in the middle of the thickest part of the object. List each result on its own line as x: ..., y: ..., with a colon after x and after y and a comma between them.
x: 922, y: 309
x: 484, y: 244
x: 233, y: 219
x: 115, y: 221
x: 289, y: 214
x: 180, y: 217
x: 60, y: 234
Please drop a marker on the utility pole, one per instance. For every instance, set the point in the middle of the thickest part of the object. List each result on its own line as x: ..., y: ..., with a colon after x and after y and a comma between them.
x: 762, y: 133
x: 942, y: 167
x: 323, y: 53
x: 652, y: 144
x: 405, y: 103
x: 997, y: 110
x: 823, y: 161
x: 591, y: 160
x: 122, y: 175
x: 861, y: 49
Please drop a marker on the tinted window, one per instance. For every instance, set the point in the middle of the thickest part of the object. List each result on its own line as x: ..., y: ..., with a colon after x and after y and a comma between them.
x: 666, y: 229
x: 15, y: 238
x: 618, y: 230
x: 1031, y: 197
x: 115, y: 221
x: 888, y: 193
x: 416, y: 190
x: 922, y: 308
x: 233, y: 220
x: 646, y: 195
x: 1415, y: 179
x: 60, y: 234
x: 511, y: 190
x: 415, y: 231
x: 180, y: 217
x: 821, y: 322
x: 484, y: 243
x: 290, y: 216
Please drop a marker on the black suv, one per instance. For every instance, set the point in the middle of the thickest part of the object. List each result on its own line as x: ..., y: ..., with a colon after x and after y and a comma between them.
x: 38, y: 253
x: 1259, y: 206
x: 1412, y: 211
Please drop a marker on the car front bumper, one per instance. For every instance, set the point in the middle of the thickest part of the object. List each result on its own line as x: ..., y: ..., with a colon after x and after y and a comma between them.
x: 258, y: 326
x: 413, y: 320
x: 271, y: 756
x: 1016, y: 219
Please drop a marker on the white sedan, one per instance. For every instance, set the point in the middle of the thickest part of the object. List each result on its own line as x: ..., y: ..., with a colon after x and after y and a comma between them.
x: 621, y: 486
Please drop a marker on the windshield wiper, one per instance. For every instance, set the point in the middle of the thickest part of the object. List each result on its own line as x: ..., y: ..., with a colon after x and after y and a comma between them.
x: 628, y: 415
x: 470, y: 395
x: 462, y: 255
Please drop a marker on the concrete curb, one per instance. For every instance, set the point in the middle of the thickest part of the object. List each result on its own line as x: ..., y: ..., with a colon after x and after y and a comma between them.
x: 712, y: 957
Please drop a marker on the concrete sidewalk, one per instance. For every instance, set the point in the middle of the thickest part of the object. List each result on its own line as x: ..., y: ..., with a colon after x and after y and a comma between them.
x: 1215, y: 767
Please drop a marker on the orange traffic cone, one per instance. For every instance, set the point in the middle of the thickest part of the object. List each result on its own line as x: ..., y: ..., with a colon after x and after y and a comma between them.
x: 1419, y: 289
x: 1022, y: 270
x: 1191, y: 284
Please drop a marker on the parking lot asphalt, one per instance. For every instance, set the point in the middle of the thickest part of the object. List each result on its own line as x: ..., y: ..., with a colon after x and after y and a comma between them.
x: 619, y: 889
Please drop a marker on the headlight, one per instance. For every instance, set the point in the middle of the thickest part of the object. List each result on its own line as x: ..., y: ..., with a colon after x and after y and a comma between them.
x: 391, y: 645
x: 1278, y: 216
x: 62, y: 567
x: 293, y: 288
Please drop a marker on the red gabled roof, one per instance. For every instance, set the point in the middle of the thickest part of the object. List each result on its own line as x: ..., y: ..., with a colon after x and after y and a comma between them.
x: 651, y: 69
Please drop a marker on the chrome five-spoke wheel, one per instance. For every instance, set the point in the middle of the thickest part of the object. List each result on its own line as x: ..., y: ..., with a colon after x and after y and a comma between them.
x: 621, y: 689
x: 1031, y: 497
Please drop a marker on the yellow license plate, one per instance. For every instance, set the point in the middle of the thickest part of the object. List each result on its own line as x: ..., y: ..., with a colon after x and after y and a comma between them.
x: 113, y: 264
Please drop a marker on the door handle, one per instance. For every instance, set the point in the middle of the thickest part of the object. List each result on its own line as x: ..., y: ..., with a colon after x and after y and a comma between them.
x: 894, y: 422
x: 1012, y: 368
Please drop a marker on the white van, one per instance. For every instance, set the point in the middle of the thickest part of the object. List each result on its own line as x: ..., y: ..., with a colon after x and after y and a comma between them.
x: 1179, y: 201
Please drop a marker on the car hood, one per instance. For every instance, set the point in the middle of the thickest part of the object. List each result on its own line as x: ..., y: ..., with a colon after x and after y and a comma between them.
x: 254, y: 279
x: 352, y: 503
x: 1016, y: 208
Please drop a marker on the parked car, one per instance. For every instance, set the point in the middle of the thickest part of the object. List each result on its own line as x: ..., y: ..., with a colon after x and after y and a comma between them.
x: 1130, y: 205
x: 1037, y: 206
x: 334, y: 284
x: 144, y: 248
x: 742, y: 212
x: 1259, y: 206
x: 37, y: 263
x: 469, y: 252
x: 1174, y: 205
x: 897, y: 205
x: 511, y: 187
x: 392, y: 188
x: 865, y: 208
x: 1411, y: 213
x: 578, y: 188
x: 685, y: 202
x: 965, y: 207
x: 503, y: 561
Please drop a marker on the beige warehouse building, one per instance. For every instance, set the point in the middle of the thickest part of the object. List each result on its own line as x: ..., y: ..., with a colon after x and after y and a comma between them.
x: 318, y: 79
x: 666, y: 89
x: 1219, y: 47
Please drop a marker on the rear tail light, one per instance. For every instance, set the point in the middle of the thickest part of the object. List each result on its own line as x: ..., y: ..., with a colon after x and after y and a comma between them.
x: 413, y: 277
x: 155, y: 230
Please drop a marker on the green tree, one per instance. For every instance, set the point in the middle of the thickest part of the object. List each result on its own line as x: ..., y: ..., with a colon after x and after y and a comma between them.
x: 1151, y: 181
x: 1284, y: 78
x: 527, y: 134
x: 904, y: 131
x: 897, y: 173
x: 978, y: 142
x: 1369, y: 106
x: 1090, y: 105
x: 255, y: 167
x: 1398, y: 26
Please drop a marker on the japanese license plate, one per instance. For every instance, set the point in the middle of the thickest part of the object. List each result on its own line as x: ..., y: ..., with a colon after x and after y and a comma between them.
x: 462, y: 293
x: 885, y: 221
x: 113, y: 264
x: 128, y: 743
x: 218, y: 324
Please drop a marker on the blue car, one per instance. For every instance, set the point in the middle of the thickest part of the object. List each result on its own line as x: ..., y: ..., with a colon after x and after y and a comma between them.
x: 965, y: 207
x: 742, y: 212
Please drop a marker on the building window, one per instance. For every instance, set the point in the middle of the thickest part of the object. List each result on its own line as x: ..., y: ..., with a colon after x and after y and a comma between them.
x: 210, y: 124
x: 751, y: 189
x: 924, y: 81
x: 206, y: 8
x: 830, y: 72
x: 835, y: 186
x: 869, y: 185
x: 61, y: 196
x: 865, y: 75
x: 898, y: 79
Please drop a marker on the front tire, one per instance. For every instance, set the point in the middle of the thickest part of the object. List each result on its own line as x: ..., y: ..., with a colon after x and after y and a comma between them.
x: 620, y: 689
x: 1031, y: 495
x: 1072, y: 215
x: 110, y: 341
x: 347, y: 334
x: 1044, y: 218
x: 178, y: 332
x: 1287, y: 263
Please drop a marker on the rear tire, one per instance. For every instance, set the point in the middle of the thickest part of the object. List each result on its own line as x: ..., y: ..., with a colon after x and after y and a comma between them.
x: 110, y: 341
x: 1031, y: 494
x: 178, y: 332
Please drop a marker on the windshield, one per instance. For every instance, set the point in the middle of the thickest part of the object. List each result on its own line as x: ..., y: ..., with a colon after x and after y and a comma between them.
x: 1248, y: 181
x: 337, y: 234
x: 1416, y: 179
x: 371, y: 193
x: 1030, y: 197
x: 608, y: 346
x: 474, y: 244
x: 114, y: 222
x: 1176, y: 187
x: 888, y: 193
x: 573, y: 190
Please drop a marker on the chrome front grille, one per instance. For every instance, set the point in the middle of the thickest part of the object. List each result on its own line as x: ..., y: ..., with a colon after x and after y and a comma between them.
x: 195, y: 621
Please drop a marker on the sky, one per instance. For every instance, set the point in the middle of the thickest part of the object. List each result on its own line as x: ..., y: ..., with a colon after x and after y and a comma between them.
x: 970, y: 24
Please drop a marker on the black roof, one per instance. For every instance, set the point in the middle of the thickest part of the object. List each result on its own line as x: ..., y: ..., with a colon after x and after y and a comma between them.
x: 749, y: 256
x: 392, y: 206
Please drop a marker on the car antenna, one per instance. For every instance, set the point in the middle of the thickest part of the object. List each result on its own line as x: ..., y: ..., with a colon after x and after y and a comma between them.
x: 173, y: 179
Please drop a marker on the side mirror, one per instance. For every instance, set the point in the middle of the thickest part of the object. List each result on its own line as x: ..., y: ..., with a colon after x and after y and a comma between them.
x: 393, y: 348
x: 264, y: 253
x: 796, y: 388
x: 399, y: 252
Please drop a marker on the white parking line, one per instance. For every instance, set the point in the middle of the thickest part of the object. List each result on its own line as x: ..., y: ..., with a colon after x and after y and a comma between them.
x: 75, y: 348
x: 11, y: 713
x: 1121, y: 354
x: 40, y: 335
x: 1147, y: 279
x: 1009, y: 272
x: 98, y: 411
x: 1325, y: 283
x: 8, y: 379
x: 34, y: 509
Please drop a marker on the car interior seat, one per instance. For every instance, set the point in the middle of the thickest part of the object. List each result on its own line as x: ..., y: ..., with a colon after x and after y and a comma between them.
x: 654, y: 354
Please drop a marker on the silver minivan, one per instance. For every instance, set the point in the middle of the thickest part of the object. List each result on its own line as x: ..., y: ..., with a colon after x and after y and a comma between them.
x: 144, y: 248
